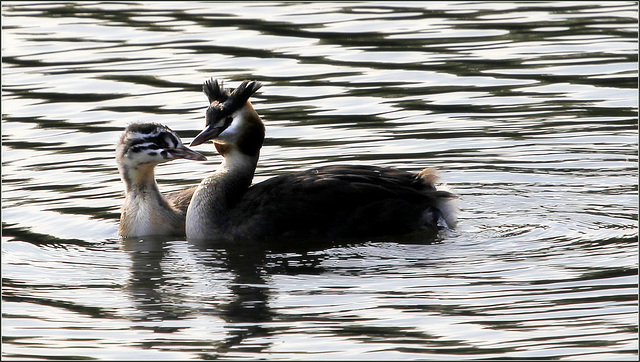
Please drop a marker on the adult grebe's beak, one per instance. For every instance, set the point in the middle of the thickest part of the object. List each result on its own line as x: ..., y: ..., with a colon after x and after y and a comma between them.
x: 212, y: 131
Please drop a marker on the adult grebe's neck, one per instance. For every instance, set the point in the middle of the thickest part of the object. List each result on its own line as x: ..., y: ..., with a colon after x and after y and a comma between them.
x: 233, y: 177
x: 237, y: 132
x: 215, y: 197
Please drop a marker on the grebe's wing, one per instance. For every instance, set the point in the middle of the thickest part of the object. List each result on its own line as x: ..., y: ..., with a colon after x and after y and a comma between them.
x: 337, y: 201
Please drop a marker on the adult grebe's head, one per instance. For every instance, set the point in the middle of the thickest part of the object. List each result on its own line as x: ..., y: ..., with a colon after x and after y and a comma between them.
x: 149, y: 144
x: 231, y: 121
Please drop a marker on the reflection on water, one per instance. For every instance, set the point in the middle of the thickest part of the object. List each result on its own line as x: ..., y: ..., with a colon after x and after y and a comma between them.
x: 529, y: 110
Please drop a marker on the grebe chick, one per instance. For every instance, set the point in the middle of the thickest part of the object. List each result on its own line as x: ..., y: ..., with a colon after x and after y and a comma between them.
x: 331, y: 201
x: 145, y: 211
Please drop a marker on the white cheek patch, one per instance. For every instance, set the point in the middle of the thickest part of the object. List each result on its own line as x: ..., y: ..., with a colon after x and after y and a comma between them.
x: 236, y: 127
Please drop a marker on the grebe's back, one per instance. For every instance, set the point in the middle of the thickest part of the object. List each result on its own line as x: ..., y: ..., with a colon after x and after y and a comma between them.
x: 341, y: 201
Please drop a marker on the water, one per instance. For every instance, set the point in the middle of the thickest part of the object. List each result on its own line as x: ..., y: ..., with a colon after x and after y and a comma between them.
x: 528, y: 109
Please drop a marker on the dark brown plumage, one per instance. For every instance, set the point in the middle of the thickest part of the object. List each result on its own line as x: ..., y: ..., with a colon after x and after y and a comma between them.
x: 180, y: 199
x: 338, y: 201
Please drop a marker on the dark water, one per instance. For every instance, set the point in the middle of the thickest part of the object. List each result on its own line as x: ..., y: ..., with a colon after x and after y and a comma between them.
x: 528, y: 109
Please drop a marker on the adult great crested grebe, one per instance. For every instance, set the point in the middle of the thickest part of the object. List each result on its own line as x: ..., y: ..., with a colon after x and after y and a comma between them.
x: 330, y: 201
x: 145, y: 211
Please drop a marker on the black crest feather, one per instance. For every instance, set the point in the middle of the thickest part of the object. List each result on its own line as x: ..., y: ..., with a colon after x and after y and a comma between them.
x: 245, y: 90
x: 215, y: 91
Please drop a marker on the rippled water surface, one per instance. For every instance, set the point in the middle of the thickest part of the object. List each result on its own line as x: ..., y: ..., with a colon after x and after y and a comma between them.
x: 529, y: 110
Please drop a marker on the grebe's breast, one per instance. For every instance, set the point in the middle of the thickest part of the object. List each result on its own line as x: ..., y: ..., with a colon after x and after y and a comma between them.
x: 338, y: 201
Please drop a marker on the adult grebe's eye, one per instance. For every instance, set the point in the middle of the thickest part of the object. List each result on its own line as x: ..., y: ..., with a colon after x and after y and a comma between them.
x: 210, y: 115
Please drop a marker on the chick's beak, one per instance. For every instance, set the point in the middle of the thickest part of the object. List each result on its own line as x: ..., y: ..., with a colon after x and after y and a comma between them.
x: 186, y: 153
